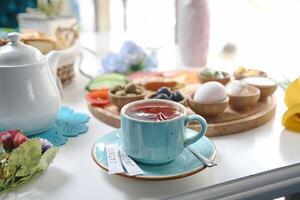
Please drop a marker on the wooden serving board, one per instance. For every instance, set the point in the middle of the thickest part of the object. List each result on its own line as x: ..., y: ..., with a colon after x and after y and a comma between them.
x: 229, y: 122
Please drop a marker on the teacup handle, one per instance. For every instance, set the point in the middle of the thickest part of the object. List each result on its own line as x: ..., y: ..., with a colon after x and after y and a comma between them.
x: 203, y: 124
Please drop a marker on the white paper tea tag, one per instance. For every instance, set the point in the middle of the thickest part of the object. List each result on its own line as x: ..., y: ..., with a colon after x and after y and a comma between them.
x: 113, y: 159
x: 131, y: 167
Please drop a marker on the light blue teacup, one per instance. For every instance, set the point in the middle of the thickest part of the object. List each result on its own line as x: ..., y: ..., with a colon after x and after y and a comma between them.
x: 158, y: 142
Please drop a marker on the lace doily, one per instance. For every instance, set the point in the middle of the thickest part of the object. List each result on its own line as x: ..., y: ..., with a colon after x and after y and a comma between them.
x: 68, y: 124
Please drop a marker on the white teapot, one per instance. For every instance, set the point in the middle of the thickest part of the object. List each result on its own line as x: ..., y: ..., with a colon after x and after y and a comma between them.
x: 29, y: 96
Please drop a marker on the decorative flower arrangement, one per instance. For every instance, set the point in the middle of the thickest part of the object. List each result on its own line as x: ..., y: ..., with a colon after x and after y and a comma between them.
x: 291, y: 118
x: 131, y: 58
x: 22, y: 158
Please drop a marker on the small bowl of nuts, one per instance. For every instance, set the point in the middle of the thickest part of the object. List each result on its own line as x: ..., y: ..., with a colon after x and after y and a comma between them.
x: 122, y: 95
x: 208, y: 74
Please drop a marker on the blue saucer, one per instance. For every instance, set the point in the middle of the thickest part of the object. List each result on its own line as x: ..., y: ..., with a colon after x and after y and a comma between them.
x: 185, y: 165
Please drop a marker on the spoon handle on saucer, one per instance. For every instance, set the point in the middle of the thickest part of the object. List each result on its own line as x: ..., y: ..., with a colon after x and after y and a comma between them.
x: 205, y: 161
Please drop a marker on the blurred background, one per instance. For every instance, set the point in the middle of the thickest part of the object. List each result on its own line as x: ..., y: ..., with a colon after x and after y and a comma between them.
x: 260, y: 33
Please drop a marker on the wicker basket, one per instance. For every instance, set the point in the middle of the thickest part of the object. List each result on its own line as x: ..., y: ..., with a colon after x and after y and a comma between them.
x: 66, y: 64
x: 66, y: 74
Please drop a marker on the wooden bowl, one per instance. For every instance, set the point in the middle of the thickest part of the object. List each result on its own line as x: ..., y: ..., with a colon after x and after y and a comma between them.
x: 183, y: 102
x: 224, y: 81
x: 121, y: 101
x: 207, y: 109
x: 242, y: 102
x: 265, y: 90
x: 239, y: 76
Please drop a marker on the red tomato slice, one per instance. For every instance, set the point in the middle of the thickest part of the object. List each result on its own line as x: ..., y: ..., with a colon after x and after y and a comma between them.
x: 98, y: 97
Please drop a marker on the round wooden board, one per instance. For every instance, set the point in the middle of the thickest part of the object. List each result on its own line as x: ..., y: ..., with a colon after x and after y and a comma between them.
x: 229, y: 122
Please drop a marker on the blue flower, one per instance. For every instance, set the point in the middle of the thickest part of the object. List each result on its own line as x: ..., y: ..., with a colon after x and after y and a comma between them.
x: 130, y: 58
x: 130, y: 47
x: 150, y: 62
x: 114, y: 63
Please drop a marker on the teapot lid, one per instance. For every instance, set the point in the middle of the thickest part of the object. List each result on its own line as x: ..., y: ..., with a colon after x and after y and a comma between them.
x: 17, y: 53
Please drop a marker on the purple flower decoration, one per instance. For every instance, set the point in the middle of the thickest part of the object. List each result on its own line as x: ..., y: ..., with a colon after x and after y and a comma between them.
x: 45, y: 145
x: 131, y: 58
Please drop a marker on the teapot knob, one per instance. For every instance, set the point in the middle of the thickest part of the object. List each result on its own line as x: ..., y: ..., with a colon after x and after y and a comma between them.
x: 14, y: 37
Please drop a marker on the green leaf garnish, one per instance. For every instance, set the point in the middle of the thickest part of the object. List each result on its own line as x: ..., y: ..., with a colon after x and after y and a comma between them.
x: 135, y: 68
x: 25, y: 157
x: 47, y: 158
x: 23, y: 164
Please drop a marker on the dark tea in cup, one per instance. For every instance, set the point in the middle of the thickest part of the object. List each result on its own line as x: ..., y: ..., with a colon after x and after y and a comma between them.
x: 154, y: 111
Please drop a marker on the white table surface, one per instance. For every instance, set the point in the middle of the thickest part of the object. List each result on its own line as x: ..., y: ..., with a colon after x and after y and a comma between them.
x: 74, y: 175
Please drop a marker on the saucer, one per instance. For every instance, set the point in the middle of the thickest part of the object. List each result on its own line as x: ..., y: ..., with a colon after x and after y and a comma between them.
x: 185, y: 165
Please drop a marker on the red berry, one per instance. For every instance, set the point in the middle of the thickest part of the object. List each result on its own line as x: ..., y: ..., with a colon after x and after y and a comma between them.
x: 7, y: 140
x: 19, y: 139
x: 13, y: 132
x: 11, y: 139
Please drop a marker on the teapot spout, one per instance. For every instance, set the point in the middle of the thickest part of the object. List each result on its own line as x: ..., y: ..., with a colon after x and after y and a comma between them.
x: 53, y: 58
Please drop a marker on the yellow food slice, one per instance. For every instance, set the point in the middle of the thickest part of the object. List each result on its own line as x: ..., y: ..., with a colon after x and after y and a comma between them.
x: 240, y: 70
x: 291, y: 119
x: 292, y: 94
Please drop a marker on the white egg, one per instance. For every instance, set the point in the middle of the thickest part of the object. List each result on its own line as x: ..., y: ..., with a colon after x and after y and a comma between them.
x: 210, y: 92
